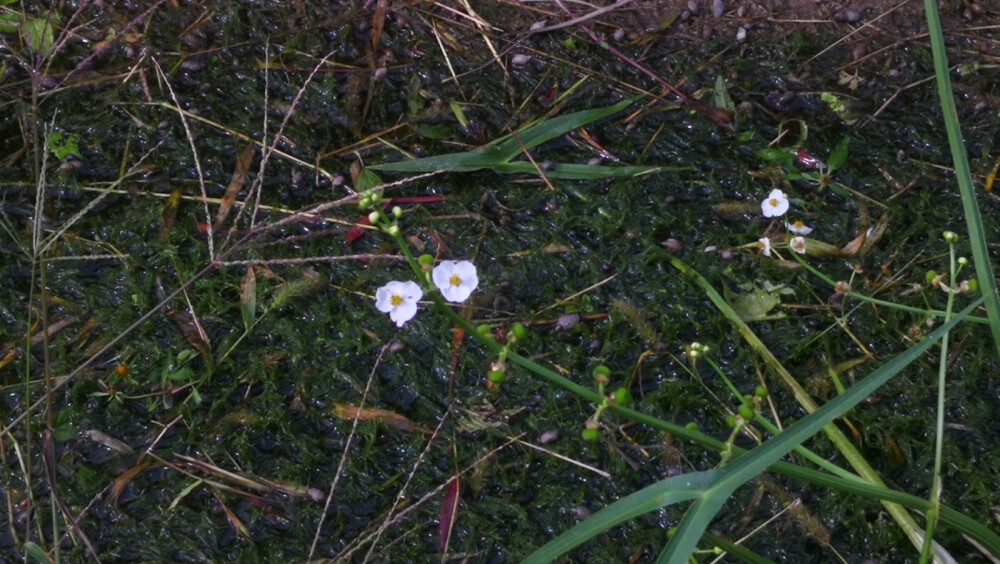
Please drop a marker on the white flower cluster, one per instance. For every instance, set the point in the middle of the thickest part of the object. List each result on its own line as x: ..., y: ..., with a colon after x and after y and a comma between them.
x: 454, y: 279
x: 776, y: 205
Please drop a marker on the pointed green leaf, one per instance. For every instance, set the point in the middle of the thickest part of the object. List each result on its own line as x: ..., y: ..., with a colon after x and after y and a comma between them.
x: 838, y: 157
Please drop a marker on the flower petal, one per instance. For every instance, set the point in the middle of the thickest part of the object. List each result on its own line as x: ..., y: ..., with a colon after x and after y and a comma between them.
x: 403, y: 312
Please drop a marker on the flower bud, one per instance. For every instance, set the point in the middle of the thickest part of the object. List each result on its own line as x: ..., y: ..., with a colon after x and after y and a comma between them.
x: 373, y: 217
x: 623, y: 397
x: 602, y: 374
x: 519, y: 331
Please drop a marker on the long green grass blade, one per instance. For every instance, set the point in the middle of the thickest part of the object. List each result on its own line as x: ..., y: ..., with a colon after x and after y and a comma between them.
x: 720, y: 484
x: 736, y: 550
x: 468, y: 161
x: 847, y: 449
x: 660, y: 494
x: 974, y: 221
x: 534, y: 135
x: 949, y: 516
x: 497, y: 156
x: 745, y: 468
x: 581, y: 171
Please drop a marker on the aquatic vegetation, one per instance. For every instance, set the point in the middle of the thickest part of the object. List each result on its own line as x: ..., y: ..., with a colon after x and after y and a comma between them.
x: 188, y: 348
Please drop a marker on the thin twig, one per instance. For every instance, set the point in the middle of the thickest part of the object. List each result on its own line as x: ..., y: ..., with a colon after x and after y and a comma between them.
x: 347, y: 451
x: 194, y: 157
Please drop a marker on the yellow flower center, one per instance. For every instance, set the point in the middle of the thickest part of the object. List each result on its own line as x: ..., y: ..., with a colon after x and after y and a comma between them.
x: 799, y: 224
x: 774, y: 202
x: 395, y: 300
x: 455, y: 280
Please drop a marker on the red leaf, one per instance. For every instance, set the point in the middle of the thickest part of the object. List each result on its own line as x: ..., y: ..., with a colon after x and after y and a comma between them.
x: 449, y: 510
x: 356, y: 232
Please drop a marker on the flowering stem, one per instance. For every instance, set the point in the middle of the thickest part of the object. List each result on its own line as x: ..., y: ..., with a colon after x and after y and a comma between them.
x: 421, y: 275
x: 876, y: 491
x: 935, y: 497
x: 774, y: 430
x: 935, y: 312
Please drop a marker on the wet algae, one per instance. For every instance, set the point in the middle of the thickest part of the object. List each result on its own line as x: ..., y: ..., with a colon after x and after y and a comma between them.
x: 145, y: 431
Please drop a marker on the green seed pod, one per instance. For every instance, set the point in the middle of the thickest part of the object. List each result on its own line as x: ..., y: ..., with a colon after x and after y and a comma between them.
x: 519, y: 331
x: 746, y: 412
x: 484, y: 329
x: 973, y: 285
x: 497, y: 376
x: 760, y: 392
x: 692, y: 426
x: 602, y: 370
x: 425, y: 260
x: 930, y: 276
x: 591, y: 434
x: 623, y: 397
x: 731, y: 421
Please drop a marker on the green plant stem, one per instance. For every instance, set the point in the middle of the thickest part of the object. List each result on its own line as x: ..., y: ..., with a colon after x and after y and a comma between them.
x: 862, y: 487
x: 949, y: 516
x: 854, y: 458
x: 977, y: 234
x: 934, y: 312
x: 774, y: 430
x: 935, y: 496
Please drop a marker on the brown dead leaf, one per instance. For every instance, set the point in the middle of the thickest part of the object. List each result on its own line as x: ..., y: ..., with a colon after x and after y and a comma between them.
x: 234, y: 520
x: 123, y: 479
x: 192, y: 331
x: 169, y: 214
x: 349, y: 412
x: 378, y: 22
x: 235, y: 184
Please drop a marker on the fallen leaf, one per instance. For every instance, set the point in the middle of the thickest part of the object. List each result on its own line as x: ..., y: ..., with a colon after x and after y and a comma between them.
x: 248, y: 298
x: 169, y: 214
x: 349, y: 412
x: 235, y: 184
x: 123, y: 479
x: 449, y: 510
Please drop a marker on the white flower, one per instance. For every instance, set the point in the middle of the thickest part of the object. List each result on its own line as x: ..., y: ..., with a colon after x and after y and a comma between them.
x: 775, y: 205
x: 399, y: 300
x: 799, y: 228
x: 455, y: 279
x: 798, y: 244
x: 764, y: 244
